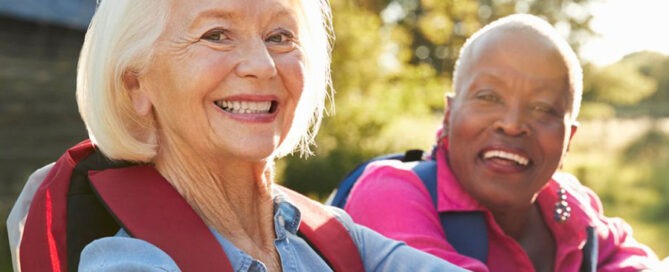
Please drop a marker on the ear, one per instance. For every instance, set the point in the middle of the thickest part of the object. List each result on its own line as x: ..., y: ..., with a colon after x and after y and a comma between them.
x: 141, y: 101
x: 449, y: 101
x: 572, y: 132
x: 574, y: 127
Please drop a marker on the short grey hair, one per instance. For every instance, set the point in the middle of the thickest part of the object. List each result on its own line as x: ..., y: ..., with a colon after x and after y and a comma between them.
x: 534, y: 24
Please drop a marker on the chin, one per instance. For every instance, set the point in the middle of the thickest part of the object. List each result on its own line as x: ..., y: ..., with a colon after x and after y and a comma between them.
x: 496, y: 200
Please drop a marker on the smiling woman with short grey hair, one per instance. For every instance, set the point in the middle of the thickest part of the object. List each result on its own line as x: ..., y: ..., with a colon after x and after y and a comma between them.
x: 505, y: 134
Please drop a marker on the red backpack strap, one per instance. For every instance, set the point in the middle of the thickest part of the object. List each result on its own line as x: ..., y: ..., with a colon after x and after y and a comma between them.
x: 151, y: 209
x: 43, y: 245
x: 326, y: 234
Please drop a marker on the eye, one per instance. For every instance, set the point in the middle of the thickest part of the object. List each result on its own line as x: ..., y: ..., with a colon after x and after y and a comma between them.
x: 215, y: 35
x: 488, y: 96
x: 545, y: 109
x: 281, y: 37
x: 542, y: 108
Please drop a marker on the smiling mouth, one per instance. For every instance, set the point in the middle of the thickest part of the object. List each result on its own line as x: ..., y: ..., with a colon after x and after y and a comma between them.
x: 248, y: 107
x: 507, y: 156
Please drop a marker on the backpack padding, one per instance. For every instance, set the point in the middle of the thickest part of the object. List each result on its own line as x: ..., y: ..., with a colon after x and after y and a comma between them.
x: 344, y: 188
x: 468, y: 230
x: 43, y: 245
x: 342, y: 191
x: 87, y: 217
x: 150, y: 208
x: 326, y: 234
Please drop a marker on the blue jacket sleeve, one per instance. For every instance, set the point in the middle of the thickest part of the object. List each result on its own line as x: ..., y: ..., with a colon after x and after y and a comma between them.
x: 384, y: 254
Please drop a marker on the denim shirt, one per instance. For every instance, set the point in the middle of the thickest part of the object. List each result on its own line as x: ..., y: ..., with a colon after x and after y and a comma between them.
x: 124, y: 253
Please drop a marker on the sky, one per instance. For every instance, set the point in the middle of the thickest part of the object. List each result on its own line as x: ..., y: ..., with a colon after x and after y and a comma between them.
x: 627, y: 26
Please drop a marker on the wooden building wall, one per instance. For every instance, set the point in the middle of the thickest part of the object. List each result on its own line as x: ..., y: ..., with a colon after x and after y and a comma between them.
x: 38, y: 113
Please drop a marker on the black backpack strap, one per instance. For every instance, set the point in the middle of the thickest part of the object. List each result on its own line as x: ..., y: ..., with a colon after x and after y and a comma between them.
x: 339, y: 196
x: 468, y: 230
x: 87, y: 217
x: 472, y: 238
x: 590, y: 251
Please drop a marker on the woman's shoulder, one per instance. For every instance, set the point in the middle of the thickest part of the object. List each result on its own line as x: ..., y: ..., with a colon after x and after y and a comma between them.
x: 123, y: 253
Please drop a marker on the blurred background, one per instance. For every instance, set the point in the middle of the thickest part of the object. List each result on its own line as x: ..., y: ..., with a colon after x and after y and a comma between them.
x: 392, y: 65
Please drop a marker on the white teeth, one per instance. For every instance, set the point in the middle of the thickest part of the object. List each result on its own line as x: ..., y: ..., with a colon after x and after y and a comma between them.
x: 245, y: 107
x: 506, y: 155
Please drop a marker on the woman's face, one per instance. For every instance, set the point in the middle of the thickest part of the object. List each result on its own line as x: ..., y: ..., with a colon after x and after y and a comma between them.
x: 225, y: 78
x: 509, y: 125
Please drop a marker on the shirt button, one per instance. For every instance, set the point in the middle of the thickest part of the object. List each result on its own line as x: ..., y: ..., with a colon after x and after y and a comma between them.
x: 282, y: 222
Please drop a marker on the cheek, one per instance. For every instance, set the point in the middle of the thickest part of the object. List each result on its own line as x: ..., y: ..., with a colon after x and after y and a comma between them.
x: 466, y: 124
x: 291, y: 69
x: 554, y: 139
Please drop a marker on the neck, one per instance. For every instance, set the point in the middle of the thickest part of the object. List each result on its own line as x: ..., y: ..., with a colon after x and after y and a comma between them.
x: 533, y: 235
x: 233, y: 197
x: 513, y: 222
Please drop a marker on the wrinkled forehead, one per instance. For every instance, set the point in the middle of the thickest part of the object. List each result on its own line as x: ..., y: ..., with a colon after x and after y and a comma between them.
x: 511, y: 54
x: 190, y: 11
x: 514, y: 51
x: 521, y: 49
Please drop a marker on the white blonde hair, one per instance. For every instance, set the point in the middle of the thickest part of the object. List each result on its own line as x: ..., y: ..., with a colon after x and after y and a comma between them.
x: 533, y: 24
x: 317, y: 37
x: 121, y: 38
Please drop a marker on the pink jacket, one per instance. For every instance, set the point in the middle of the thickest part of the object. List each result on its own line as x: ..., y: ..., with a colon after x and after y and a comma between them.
x: 392, y: 200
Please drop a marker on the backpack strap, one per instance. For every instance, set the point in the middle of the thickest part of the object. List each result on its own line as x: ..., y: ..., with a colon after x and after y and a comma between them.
x: 471, y: 234
x: 326, y: 234
x: 474, y: 239
x: 43, y: 246
x: 590, y: 251
x: 339, y: 196
x: 171, y: 224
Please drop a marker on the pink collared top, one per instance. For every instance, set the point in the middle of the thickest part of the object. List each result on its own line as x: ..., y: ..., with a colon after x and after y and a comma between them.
x: 391, y: 199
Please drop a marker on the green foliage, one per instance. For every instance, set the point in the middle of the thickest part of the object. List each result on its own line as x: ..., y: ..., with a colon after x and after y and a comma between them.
x: 650, y: 148
x: 655, y: 66
x: 638, y: 85
x: 625, y: 162
x: 596, y: 110
x: 440, y: 27
x: 621, y: 83
x: 648, y: 155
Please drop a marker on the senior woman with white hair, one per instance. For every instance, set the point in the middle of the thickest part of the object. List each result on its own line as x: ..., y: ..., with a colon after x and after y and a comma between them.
x: 202, y: 96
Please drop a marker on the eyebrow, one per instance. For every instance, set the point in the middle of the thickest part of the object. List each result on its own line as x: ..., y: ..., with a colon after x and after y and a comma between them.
x: 226, y: 15
x: 212, y: 13
x: 488, y: 76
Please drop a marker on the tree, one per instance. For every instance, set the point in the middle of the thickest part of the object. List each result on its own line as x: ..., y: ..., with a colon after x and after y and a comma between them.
x: 391, y: 67
x: 636, y: 85
x: 440, y: 27
x: 369, y: 96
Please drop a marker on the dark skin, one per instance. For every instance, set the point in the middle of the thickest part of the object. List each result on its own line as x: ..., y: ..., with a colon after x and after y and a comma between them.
x: 509, y: 127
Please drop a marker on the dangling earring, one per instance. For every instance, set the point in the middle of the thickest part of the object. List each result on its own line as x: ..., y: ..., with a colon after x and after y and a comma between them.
x: 562, y: 209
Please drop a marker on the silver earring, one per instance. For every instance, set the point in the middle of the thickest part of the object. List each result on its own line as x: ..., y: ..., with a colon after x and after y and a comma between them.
x: 562, y: 209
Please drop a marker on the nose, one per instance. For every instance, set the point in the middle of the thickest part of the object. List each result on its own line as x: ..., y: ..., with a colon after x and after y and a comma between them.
x: 256, y: 62
x: 512, y: 123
